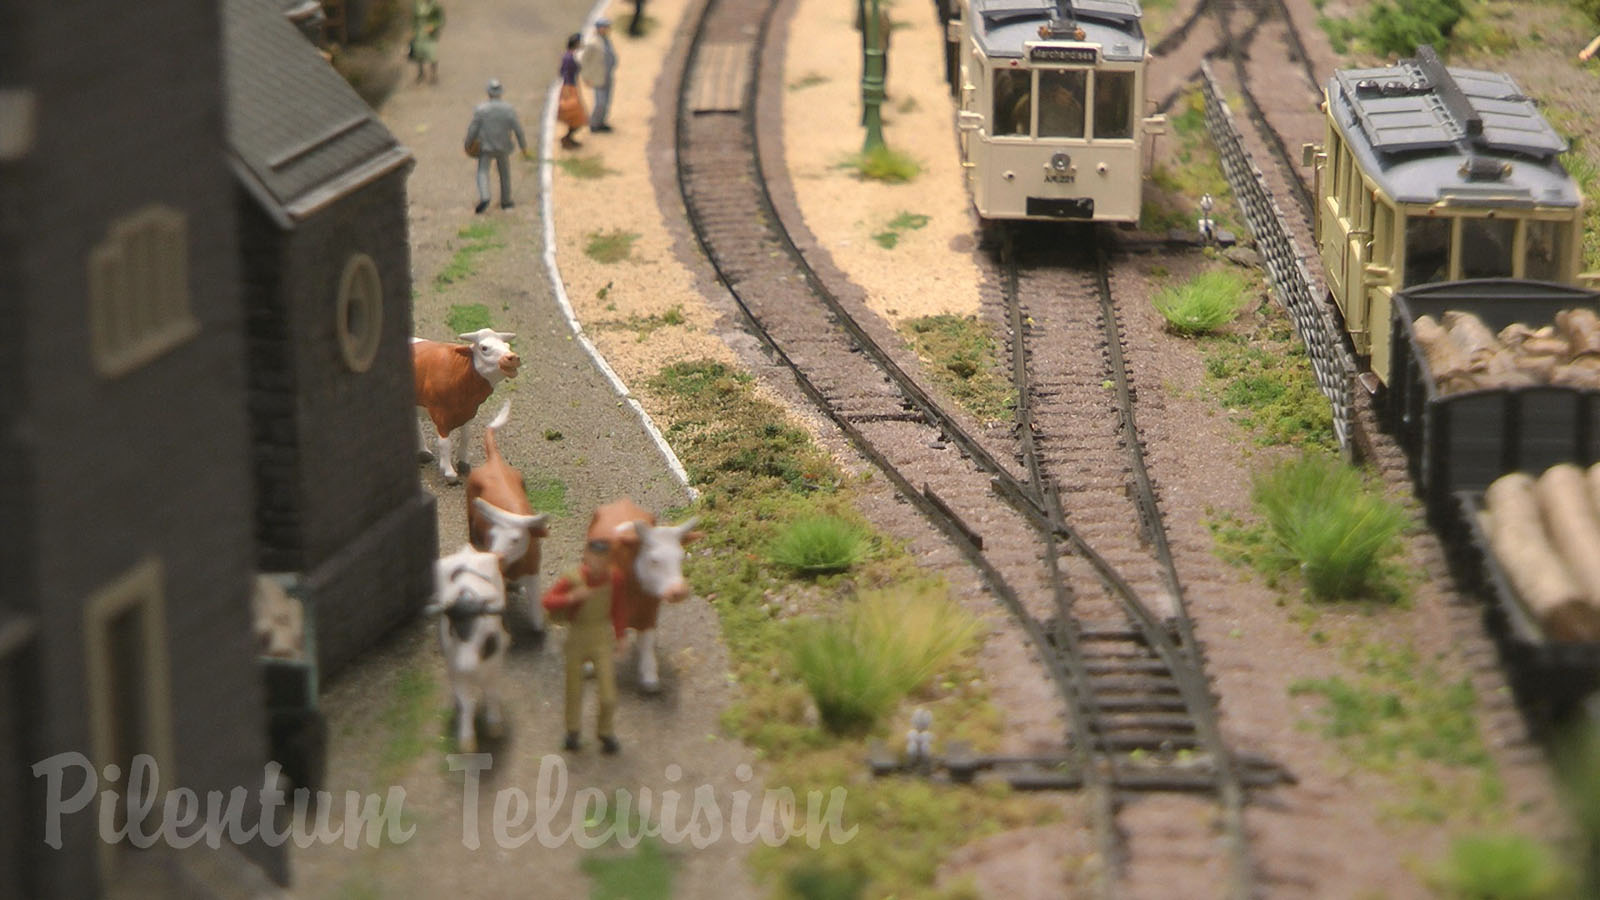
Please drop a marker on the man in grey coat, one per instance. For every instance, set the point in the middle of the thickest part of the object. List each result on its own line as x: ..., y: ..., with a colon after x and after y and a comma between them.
x: 598, y: 63
x: 494, y: 123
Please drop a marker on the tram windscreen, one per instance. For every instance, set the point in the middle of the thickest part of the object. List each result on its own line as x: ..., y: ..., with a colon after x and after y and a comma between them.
x: 1486, y: 246
x: 1113, y: 105
x: 1546, y: 251
x: 1013, y: 101
x: 1061, y: 94
x: 1427, y: 250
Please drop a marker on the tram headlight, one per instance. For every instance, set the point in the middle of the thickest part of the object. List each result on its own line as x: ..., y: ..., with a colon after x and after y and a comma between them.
x: 1060, y: 162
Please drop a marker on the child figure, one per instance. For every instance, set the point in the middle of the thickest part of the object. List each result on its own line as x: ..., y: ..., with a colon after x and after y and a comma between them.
x: 588, y: 599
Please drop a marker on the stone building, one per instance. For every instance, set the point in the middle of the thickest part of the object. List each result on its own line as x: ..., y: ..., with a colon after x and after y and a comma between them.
x: 327, y: 289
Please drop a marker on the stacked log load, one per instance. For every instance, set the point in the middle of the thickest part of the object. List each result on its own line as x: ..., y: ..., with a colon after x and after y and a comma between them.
x: 1464, y: 355
x: 1545, y: 533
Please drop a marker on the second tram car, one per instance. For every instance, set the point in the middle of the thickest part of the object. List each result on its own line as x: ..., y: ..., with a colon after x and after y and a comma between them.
x: 1051, y: 99
x: 1432, y: 174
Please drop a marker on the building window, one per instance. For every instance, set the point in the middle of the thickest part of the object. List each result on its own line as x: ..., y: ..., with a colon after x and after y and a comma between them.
x: 139, y: 290
x: 359, y: 313
x: 130, y: 709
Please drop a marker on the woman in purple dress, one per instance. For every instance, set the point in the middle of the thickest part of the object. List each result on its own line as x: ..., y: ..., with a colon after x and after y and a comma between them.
x: 570, y: 111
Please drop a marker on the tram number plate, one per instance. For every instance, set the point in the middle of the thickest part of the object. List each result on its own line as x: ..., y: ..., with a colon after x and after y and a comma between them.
x: 1085, y: 55
x: 1062, y: 208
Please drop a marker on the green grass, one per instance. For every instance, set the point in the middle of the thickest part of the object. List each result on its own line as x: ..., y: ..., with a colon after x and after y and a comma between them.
x: 810, y: 79
x: 589, y: 166
x: 1262, y: 375
x: 905, y: 221
x: 478, y: 238
x: 858, y: 667
x: 1398, y: 27
x: 884, y: 164
x: 1203, y: 304
x: 756, y: 471
x: 1330, y: 525
x: 819, y: 545
x: 961, y: 355
x: 1192, y: 170
x: 547, y: 494
x: 610, y: 246
x: 643, y: 873
x: 411, y: 722
x: 644, y: 326
x: 1502, y: 867
x: 1578, y: 763
x: 467, y: 318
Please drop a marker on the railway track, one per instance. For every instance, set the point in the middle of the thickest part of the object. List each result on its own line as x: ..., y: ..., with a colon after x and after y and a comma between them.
x: 1141, y: 716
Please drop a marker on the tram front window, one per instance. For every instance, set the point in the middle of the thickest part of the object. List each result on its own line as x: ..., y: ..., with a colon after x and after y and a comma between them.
x: 1013, y: 102
x: 1427, y: 250
x: 1486, y: 247
x: 1061, y: 96
x: 1113, y: 105
x: 1547, y: 250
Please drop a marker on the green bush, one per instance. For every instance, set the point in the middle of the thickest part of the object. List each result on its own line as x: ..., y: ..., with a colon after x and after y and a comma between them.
x: 882, y: 164
x: 1501, y: 867
x: 819, y: 545
x: 1399, y: 27
x: 1203, y: 304
x: 1325, y: 520
x: 859, y: 666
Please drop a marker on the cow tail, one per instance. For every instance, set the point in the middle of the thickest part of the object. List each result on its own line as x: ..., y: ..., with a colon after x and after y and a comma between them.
x: 500, y: 418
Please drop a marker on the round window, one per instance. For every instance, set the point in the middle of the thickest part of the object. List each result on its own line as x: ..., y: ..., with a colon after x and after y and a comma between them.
x: 359, y: 316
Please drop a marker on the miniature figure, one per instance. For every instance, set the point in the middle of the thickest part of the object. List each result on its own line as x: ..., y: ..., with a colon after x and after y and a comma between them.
x: 588, y: 599
x: 500, y: 520
x: 569, y: 108
x: 649, y: 560
x: 919, y: 741
x: 494, y: 123
x: 427, y: 20
x: 471, y: 597
x: 453, y: 380
x: 599, y: 64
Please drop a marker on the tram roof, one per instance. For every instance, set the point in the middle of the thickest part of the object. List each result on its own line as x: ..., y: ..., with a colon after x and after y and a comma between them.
x: 1427, y: 132
x: 1003, y: 26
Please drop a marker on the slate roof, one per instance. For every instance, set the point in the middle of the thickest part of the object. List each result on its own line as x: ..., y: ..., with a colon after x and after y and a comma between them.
x: 1002, y: 26
x: 1413, y: 125
x: 300, y: 136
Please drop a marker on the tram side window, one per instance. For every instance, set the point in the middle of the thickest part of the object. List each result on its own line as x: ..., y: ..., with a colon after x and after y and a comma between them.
x: 1013, y: 101
x: 1061, y: 107
x: 1486, y: 247
x: 1113, y: 105
x: 1427, y: 250
x: 1546, y: 250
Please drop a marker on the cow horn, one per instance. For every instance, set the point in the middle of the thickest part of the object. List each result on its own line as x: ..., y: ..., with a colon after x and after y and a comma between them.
x: 687, y: 524
x: 508, y: 518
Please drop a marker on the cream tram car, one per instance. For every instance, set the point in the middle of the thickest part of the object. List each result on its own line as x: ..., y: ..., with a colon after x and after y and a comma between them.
x: 1432, y: 174
x: 1051, y: 95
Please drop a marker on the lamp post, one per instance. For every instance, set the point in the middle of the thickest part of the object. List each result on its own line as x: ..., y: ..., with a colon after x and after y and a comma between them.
x: 871, y: 76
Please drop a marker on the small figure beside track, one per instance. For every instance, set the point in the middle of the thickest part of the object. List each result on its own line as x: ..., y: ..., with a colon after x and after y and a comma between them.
x: 427, y: 20
x: 586, y: 599
x: 598, y: 63
x: 569, y: 108
x: 494, y: 124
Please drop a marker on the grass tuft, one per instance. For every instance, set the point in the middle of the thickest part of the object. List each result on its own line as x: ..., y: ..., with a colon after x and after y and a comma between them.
x: 588, y: 167
x: 479, y: 238
x: 610, y: 246
x: 1325, y: 520
x: 466, y: 318
x: 961, y: 355
x: 819, y: 545
x: 884, y: 164
x: 1203, y: 304
x: 1501, y: 867
x: 858, y: 667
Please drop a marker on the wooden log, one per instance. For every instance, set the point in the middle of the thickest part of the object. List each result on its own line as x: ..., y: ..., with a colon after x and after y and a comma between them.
x: 1446, y: 362
x: 1573, y: 375
x: 1570, y: 521
x: 1536, y: 571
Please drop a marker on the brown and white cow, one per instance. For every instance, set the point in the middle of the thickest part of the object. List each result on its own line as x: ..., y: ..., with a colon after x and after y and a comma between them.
x: 470, y: 598
x: 500, y: 520
x: 650, y: 558
x: 453, y: 380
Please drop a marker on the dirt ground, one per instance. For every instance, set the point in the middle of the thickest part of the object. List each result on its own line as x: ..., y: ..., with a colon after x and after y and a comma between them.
x: 1334, y: 835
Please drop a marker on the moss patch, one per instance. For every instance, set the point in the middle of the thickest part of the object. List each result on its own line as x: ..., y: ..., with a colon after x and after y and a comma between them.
x: 1262, y: 375
x: 472, y: 241
x: 962, y: 355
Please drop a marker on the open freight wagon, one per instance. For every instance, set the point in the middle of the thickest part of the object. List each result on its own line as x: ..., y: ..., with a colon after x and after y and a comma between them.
x: 1458, y: 443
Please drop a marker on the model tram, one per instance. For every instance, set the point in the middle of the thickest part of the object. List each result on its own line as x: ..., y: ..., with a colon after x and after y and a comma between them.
x: 1432, y: 174
x: 1051, y: 95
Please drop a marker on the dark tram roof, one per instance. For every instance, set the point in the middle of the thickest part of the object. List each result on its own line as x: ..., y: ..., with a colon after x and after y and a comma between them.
x: 1426, y: 132
x: 1003, y: 26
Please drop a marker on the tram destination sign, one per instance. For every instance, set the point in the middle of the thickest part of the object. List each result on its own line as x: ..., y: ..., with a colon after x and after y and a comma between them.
x: 1074, y: 55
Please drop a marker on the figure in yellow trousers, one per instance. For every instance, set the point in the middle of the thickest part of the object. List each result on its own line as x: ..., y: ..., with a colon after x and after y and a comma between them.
x: 588, y: 599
